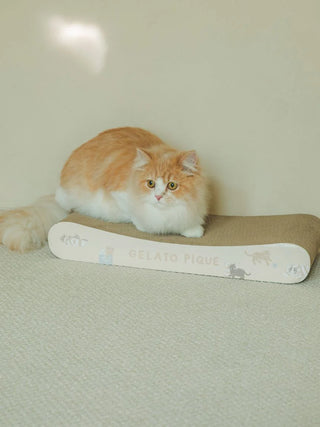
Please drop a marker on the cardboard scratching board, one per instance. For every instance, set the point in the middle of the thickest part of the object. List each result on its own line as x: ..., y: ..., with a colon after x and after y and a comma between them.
x: 278, y: 248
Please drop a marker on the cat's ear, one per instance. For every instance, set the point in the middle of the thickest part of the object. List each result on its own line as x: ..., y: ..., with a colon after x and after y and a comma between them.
x: 142, y: 158
x: 189, y: 161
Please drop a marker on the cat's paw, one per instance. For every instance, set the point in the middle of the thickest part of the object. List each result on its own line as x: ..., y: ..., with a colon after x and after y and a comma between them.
x: 196, y: 231
x: 140, y: 228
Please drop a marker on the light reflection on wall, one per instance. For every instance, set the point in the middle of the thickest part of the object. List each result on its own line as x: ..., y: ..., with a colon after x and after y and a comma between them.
x: 86, y: 42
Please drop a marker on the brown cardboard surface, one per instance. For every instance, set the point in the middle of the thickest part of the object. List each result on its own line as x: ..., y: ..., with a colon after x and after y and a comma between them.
x: 298, y: 229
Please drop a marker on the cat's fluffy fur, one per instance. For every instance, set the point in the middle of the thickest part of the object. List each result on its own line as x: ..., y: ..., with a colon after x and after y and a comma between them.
x: 121, y: 175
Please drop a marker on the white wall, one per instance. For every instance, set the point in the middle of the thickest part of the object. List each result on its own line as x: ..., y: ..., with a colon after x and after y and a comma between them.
x: 238, y: 81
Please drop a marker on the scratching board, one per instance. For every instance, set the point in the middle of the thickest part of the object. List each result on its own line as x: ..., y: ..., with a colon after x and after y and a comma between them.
x: 278, y: 248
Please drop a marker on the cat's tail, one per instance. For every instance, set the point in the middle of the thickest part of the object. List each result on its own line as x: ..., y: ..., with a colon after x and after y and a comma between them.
x: 26, y: 228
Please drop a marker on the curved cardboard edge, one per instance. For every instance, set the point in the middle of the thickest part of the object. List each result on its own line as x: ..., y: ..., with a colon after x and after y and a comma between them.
x: 277, y: 262
x: 299, y: 229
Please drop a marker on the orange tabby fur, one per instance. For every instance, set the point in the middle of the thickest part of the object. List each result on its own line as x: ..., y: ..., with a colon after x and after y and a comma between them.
x: 107, y: 177
x: 105, y: 161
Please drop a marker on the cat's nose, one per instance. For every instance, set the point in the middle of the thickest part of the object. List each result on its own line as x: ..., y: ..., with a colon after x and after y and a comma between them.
x: 158, y: 197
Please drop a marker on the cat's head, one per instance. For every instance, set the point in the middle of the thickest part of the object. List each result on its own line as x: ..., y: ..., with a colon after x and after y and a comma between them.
x: 165, y: 179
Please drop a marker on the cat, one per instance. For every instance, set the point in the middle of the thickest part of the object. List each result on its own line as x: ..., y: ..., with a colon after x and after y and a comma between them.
x: 259, y: 257
x: 237, y: 272
x: 122, y: 175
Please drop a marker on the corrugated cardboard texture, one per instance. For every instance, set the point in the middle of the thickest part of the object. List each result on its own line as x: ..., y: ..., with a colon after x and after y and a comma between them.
x: 299, y: 229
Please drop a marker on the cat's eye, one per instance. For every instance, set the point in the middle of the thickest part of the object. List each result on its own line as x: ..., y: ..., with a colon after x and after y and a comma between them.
x: 172, y: 185
x: 151, y: 183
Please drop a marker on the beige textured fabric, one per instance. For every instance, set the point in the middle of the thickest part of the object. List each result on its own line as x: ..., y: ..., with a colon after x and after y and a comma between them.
x: 89, y: 345
x: 300, y: 229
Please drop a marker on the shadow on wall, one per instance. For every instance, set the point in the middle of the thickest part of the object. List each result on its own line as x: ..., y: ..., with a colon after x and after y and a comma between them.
x: 221, y: 199
x: 215, y: 197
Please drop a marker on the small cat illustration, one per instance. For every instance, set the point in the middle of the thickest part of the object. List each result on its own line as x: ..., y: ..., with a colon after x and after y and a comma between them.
x: 73, y: 240
x: 297, y: 271
x: 260, y: 257
x: 237, y: 272
x: 106, y: 256
x: 122, y: 175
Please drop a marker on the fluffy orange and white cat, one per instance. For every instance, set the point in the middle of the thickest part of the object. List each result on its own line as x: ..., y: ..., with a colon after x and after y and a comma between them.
x: 122, y: 175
